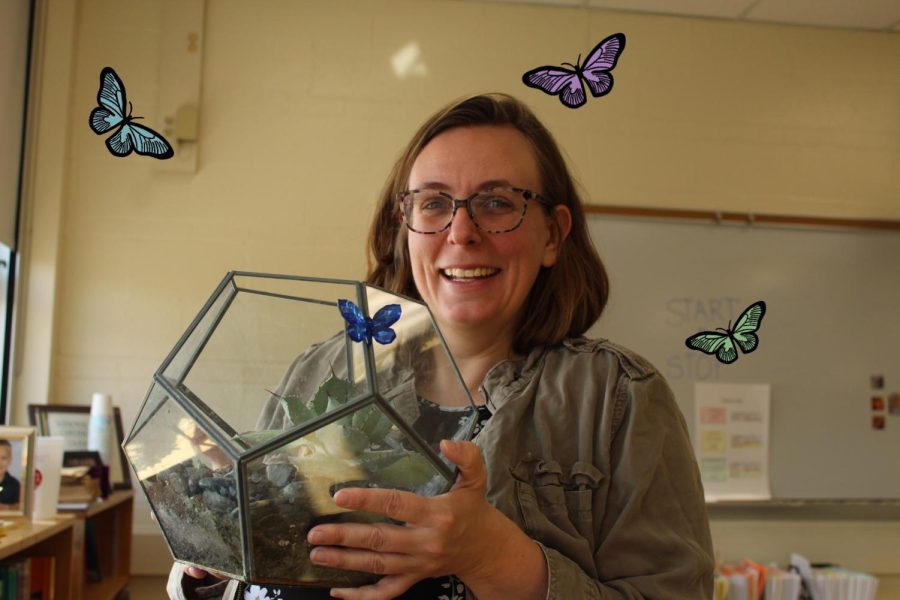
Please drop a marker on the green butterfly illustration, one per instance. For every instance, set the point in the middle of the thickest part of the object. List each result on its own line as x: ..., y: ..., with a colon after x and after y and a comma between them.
x: 724, y: 345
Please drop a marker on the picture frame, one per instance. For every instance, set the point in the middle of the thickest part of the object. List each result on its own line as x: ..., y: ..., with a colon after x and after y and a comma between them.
x: 16, y: 471
x: 71, y: 423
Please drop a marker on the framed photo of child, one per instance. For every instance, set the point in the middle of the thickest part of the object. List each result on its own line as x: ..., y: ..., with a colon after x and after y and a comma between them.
x: 16, y: 471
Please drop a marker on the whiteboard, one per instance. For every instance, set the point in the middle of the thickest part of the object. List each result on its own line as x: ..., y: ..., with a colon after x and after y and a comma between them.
x: 832, y: 321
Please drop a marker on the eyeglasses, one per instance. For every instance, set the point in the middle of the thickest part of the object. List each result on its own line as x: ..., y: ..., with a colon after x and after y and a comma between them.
x: 496, y: 210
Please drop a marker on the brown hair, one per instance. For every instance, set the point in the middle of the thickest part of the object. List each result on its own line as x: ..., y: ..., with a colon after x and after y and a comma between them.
x: 566, y: 298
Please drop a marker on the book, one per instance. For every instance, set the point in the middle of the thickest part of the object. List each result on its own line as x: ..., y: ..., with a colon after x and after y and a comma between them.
x: 835, y: 582
x: 23, y: 578
x: 91, y: 554
x: 77, y: 486
x: 42, y: 578
x: 27, y: 578
x: 744, y: 580
x: 781, y: 585
x: 721, y: 587
x: 14, y: 575
x: 827, y: 582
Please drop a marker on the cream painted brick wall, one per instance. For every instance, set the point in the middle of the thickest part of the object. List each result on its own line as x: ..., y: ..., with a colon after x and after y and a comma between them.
x: 301, y: 118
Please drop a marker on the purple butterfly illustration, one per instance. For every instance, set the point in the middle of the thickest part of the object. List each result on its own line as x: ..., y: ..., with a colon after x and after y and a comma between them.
x: 360, y: 328
x: 595, y: 72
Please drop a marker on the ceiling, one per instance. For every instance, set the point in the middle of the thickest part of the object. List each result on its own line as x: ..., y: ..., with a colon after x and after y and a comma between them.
x: 877, y: 15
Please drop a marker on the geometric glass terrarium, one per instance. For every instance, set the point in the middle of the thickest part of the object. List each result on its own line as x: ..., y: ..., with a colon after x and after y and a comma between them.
x: 279, y: 393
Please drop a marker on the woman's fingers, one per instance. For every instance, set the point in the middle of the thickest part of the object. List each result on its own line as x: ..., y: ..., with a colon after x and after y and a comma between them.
x: 199, y: 573
x: 352, y: 559
x: 380, y: 537
x: 395, y: 504
x: 195, y: 572
x: 466, y: 456
x: 380, y: 549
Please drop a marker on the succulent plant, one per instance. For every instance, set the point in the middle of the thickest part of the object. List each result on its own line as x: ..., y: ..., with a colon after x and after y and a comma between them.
x: 354, y: 446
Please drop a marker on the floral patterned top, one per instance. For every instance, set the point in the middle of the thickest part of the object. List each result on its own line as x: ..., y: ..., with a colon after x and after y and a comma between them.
x: 439, y: 419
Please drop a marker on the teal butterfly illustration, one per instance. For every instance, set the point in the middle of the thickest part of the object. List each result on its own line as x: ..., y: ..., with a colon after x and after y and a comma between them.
x: 725, y: 344
x: 130, y: 136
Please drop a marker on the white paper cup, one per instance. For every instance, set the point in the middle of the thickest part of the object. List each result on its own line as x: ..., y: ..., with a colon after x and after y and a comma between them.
x: 101, y: 435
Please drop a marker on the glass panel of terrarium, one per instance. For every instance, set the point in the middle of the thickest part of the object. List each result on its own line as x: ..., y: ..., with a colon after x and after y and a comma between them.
x: 198, y: 333
x: 276, y: 360
x: 416, y: 374
x: 314, y: 289
x: 190, y: 483
x: 290, y: 490
x: 154, y: 399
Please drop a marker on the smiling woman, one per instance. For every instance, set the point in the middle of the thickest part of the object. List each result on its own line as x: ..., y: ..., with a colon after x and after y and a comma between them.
x: 581, y: 457
x: 521, y: 152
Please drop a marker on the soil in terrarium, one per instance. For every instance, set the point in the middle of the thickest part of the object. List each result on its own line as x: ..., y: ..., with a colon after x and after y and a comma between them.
x: 197, y: 509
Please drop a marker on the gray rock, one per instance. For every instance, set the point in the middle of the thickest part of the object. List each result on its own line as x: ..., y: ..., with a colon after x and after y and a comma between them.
x: 292, y: 491
x: 217, y: 502
x: 174, y: 481
x: 280, y: 474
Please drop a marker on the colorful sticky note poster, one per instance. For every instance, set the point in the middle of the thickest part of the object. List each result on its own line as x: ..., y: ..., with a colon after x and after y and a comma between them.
x: 731, y: 425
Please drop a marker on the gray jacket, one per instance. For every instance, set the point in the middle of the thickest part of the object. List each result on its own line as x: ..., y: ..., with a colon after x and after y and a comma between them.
x: 588, y: 453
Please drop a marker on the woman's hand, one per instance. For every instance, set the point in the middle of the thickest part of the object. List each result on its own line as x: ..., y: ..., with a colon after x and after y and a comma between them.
x: 185, y: 581
x: 456, y: 533
x: 195, y: 572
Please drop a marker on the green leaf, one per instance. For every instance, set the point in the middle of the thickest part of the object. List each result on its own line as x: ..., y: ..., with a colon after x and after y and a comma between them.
x: 375, y: 460
x: 334, y: 404
x: 320, y: 401
x: 339, y: 389
x: 373, y: 422
x: 380, y: 428
x: 360, y: 417
x: 296, y: 410
x: 333, y: 392
x: 408, y: 472
x: 342, y: 441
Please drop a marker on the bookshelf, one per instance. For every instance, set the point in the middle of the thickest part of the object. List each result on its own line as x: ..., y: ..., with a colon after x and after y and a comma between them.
x: 110, y: 522
x: 60, y: 538
x: 64, y: 539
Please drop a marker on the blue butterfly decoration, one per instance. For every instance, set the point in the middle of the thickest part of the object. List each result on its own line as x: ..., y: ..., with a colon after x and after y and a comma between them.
x: 129, y: 136
x: 360, y: 328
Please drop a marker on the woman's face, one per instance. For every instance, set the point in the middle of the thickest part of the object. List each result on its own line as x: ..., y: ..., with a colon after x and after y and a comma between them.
x: 470, y: 278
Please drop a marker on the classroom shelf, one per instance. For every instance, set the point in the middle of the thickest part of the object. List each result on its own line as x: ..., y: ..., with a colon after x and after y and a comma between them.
x: 64, y: 538
x: 109, y: 521
x: 60, y: 538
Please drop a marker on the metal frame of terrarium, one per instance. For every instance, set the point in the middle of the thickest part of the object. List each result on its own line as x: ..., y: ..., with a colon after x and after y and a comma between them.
x: 212, y: 423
